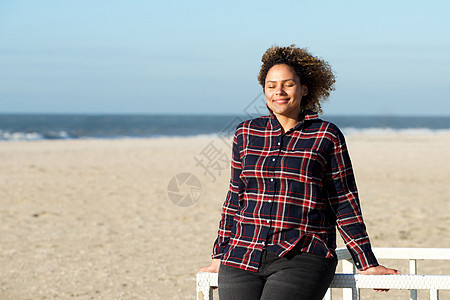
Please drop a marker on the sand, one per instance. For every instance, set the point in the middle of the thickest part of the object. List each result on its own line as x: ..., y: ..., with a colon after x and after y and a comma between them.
x: 92, y: 219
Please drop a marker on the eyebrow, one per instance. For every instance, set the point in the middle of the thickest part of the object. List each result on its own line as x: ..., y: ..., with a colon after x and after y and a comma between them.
x: 281, y: 80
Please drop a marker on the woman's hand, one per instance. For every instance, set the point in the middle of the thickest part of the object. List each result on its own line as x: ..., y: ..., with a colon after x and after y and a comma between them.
x: 213, y: 267
x: 380, y: 270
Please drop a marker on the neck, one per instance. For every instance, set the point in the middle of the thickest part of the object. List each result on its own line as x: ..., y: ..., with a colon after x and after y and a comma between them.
x: 287, y: 122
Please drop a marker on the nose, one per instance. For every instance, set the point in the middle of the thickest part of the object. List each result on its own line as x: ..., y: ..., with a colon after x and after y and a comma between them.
x: 279, y: 90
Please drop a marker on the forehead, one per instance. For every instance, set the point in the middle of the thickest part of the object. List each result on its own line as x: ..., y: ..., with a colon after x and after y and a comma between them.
x: 280, y: 73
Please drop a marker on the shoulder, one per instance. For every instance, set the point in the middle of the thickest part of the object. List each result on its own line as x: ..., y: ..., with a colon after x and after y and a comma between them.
x: 259, y: 123
x: 325, y: 129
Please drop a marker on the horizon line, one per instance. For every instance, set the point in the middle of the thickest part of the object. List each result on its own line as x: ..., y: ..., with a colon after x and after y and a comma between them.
x: 212, y: 115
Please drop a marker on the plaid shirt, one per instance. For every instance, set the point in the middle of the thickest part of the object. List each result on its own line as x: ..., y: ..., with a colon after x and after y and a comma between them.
x: 290, y: 190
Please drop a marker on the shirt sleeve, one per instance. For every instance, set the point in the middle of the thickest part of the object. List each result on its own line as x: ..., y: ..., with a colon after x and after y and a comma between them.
x: 343, y: 197
x: 231, y: 204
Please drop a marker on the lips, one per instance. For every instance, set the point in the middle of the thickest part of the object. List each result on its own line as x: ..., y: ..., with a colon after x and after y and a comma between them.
x: 281, y: 101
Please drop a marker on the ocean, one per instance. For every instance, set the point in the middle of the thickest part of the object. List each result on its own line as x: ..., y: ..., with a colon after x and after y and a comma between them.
x: 30, y: 127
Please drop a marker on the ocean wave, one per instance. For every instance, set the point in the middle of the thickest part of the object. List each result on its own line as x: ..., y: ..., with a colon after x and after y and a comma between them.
x: 34, y: 136
x: 69, y: 127
x: 63, y: 135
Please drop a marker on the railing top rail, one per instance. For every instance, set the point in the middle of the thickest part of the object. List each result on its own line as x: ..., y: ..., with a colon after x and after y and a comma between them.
x: 403, y: 253
x: 406, y: 282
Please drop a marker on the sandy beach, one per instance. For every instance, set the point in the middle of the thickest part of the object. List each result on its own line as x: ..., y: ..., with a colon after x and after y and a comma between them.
x: 93, y: 219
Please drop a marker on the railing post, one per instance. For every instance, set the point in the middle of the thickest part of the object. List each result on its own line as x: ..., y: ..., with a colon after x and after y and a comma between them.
x: 355, y: 292
x: 204, y: 289
x: 434, y: 294
x: 413, y: 270
x: 328, y: 295
x: 348, y: 268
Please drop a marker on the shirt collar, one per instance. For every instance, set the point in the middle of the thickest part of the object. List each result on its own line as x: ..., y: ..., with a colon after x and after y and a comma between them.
x: 309, y: 115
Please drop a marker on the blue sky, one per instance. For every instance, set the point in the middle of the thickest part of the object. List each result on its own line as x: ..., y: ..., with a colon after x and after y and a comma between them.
x: 202, y: 57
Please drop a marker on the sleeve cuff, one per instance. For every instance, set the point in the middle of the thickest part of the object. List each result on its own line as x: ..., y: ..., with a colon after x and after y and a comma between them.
x: 364, y: 261
x: 216, y: 256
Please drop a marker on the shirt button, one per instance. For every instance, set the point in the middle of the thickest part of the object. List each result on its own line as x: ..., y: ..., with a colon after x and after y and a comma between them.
x: 263, y: 243
x: 279, y: 143
x: 270, y: 201
x: 267, y: 221
x: 273, y: 159
x: 271, y: 179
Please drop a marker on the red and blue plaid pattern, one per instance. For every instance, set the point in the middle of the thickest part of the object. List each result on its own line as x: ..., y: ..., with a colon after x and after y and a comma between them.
x: 290, y: 190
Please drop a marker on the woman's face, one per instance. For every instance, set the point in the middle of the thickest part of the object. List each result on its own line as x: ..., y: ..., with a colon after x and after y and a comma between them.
x: 284, y: 92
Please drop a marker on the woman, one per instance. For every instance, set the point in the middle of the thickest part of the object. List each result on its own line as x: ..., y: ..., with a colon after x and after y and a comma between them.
x: 291, y: 184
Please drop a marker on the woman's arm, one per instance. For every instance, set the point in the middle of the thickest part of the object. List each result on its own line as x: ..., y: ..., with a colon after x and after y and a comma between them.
x: 231, y: 204
x: 343, y: 198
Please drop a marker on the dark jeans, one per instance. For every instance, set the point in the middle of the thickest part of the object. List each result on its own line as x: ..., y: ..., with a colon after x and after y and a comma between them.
x: 303, y: 276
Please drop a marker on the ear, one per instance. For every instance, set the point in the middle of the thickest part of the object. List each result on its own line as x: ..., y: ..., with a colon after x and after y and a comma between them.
x: 304, y: 90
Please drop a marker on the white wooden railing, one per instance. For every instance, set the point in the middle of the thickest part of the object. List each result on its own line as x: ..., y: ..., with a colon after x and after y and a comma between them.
x: 351, y: 283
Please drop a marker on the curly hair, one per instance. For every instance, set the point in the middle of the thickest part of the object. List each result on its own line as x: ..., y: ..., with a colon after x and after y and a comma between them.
x: 313, y: 72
